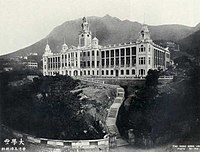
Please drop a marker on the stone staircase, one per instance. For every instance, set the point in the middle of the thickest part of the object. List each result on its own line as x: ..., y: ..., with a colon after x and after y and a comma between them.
x: 112, y: 117
x: 113, y: 113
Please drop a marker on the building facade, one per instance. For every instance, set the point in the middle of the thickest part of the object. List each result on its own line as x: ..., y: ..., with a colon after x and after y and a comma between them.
x: 32, y: 65
x: 91, y: 59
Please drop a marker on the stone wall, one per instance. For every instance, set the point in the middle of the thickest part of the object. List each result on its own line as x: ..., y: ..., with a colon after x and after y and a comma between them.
x: 86, y: 145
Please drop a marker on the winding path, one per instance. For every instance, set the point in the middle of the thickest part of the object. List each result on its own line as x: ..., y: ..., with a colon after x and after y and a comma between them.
x: 112, y: 115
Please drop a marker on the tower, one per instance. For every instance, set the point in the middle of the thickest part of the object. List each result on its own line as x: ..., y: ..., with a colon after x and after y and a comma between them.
x: 95, y: 42
x: 45, y: 59
x: 64, y: 47
x: 144, y: 34
x: 47, y: 49
x: 85, y: 37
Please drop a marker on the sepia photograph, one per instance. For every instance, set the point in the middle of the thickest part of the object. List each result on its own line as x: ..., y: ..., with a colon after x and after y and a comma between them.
x: 100, y: 75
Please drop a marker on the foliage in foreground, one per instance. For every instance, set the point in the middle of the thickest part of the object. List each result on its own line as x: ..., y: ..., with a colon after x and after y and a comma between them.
x: 166, y: 117
x: 47, y: 108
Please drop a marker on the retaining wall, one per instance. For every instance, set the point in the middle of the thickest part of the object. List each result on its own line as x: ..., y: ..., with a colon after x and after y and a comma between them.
x: 86, y: 145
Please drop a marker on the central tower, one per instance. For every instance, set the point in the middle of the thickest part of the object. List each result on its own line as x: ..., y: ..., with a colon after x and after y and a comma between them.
x: 85, y: 37
x: 144, y: 34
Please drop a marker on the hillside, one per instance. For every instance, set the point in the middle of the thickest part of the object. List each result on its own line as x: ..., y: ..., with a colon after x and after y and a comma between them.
x: 74, y: 106
x: 191, y: 44
x: 107, y: 29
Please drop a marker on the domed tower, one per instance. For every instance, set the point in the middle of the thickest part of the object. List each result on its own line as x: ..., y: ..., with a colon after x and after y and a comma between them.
x: 85, y: 37
x: 144, y: 34
x: 64, y: 47
x: 47, y: 49
x: 45, y: 59
x: 95, y: 42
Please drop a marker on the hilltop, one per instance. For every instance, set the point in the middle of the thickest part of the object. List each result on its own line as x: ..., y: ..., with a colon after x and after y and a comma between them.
x: 108, y: 30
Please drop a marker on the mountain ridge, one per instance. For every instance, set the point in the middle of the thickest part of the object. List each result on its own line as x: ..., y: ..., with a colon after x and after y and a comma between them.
x: 108, y: 29
x: 191, y: 44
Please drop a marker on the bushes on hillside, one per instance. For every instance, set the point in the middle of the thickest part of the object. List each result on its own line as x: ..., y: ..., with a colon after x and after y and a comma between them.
x: 47, y: 108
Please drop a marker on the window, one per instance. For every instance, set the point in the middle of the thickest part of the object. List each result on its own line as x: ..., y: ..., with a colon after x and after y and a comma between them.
x: 133, y: 72
x: 88, y: 63
x: 127, y: 72
x: 122, y: 52
x: 122, y: 61
x: 122, y: 72
x: 112, y: 53
x: 102, y: 54
x: 107, y: 62
x: 127, y: 61
x: 142, y: 48
x: 102, y: 72
x: 92, y: 53
x: 133, y: 50
x: 92, y: 63
x: 112, y: 61
x: 117, y: 61
x: 97, y: 63
x: 97, y: 72
x: 97, y: 53
x: 106, y: 72
x: 84, y: 72
x: 84, y: 64
x: 107, y: 53
x: 127, y: 51
x: 88, y: 72
x: 92, y: 72
x: 111, y: 72
x: 84, y: 53
x: 88, y: 53
x: 141, y: 72
x: 141, y: 60
x: 149, y: 61
x: 103, y: 62
x: 133, y: 60
x: 117, y: 52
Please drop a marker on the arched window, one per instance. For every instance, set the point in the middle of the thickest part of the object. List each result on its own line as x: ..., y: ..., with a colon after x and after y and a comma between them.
x: 142, y: 48
x: 141, y: 72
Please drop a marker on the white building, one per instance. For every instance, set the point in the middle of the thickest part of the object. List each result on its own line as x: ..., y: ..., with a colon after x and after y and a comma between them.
x: 91, y: 59
x: 32, y: 65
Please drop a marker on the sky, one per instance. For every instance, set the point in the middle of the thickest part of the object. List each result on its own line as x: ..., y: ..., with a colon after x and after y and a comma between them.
x: 24, y: 22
